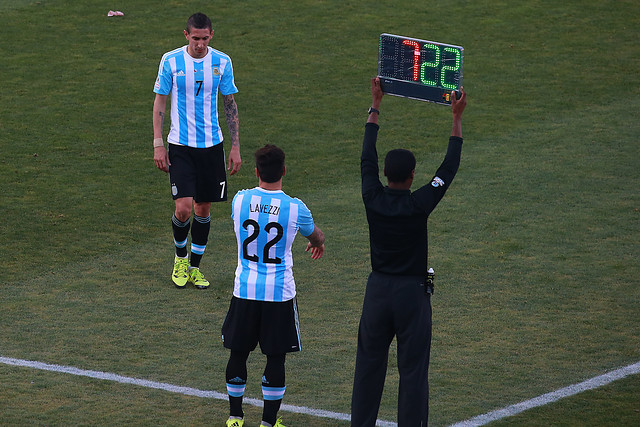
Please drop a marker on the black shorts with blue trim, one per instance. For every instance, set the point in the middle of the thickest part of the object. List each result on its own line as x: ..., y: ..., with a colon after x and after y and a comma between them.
x: 274, y: 325
x: 198, y: 172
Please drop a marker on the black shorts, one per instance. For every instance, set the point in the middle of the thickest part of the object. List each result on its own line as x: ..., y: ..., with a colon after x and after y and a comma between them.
x: 275, y: 325
x: 198, y: 172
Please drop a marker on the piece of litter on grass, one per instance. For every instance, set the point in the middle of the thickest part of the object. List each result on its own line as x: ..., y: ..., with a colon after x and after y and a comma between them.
x: 115, y: 13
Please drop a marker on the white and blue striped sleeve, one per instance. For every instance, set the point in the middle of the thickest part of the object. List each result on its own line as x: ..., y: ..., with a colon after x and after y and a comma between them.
x: 164, y: 81
x: 227, y: 83
x: 305, y: 219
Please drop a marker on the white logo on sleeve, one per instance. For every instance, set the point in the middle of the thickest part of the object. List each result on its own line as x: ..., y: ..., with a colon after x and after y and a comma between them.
x: 437, y: 182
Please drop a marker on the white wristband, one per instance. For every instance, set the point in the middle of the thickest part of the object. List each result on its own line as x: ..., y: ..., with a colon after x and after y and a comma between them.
x: 158, y: 142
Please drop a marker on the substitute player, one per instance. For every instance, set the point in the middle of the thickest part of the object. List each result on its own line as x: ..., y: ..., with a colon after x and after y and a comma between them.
x: 193, y: 75
x: 263, y: 308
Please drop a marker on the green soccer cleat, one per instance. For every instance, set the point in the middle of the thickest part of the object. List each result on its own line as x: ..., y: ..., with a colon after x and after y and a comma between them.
x: 180, y: 276
x: 197, y: 278
x: 277, y: 424
x: 235, y: 422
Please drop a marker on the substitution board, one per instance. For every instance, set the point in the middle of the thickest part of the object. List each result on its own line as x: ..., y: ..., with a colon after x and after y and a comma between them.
x: 419, y: 69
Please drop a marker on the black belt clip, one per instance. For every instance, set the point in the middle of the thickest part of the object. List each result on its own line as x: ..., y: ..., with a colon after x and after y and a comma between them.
x: 429, y: 282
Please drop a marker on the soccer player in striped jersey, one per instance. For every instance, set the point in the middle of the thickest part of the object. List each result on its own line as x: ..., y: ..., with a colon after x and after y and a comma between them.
x: 193, y: 75
x: 263, y: 308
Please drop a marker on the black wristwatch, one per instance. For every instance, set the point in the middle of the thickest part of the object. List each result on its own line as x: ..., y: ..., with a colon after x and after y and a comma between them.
x: 373, y: 110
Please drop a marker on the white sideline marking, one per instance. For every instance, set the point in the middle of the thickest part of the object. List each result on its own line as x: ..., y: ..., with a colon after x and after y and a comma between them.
x: 553, y: 396
x: 477, y: 421
x: 174, y: 388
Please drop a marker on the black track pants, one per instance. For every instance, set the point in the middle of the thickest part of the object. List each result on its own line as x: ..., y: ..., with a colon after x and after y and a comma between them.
x: 393, y: 306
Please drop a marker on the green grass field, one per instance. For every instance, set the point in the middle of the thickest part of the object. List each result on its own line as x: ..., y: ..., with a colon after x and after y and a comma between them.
x: 535, y: 247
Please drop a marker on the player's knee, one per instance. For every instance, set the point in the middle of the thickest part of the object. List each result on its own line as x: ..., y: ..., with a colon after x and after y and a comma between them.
x: 202, y: 209
x: 183, y: 211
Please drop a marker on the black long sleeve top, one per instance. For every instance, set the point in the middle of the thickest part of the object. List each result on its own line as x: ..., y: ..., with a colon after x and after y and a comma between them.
x: 398, y: 218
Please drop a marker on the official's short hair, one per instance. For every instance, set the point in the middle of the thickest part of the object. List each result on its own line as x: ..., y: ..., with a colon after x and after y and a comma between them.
x: 270, y: 163
x: 398, y: 165
x: 199, y: 21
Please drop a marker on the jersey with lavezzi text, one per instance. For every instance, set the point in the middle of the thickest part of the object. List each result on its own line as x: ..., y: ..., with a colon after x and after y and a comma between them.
x: 266, y: 223
x: 194, y: 85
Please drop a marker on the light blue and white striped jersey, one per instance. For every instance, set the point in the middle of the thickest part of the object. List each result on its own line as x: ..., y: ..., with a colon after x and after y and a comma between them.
x: 266, y: 223
x: 194, y: 84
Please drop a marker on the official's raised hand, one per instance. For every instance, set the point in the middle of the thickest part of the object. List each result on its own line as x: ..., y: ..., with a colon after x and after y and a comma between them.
x: 457, y: 105
x: 376, y: 92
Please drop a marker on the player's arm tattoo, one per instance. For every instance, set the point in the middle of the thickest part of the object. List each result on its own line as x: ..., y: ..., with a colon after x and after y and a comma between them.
x: 231, y: 112
x: 161, y: 114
